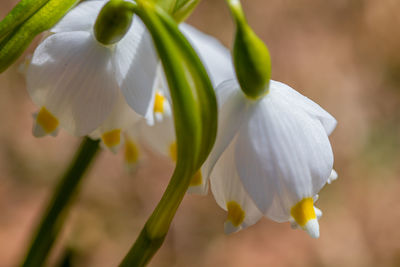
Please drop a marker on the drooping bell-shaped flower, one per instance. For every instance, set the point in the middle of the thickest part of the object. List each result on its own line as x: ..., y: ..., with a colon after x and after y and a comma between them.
x: 113, y: 129
x: 76, y: 73
x: 272, y: 155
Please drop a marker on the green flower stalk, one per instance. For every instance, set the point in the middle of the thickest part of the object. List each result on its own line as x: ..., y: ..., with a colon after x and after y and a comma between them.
x: 195, y: 116
x: 57, y: 209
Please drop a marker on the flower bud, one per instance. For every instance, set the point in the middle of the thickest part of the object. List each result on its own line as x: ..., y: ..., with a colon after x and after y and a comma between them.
x: 250, y: 55
x: 113, y: 22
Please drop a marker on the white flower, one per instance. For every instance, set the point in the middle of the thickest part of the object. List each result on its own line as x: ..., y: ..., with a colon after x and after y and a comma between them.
x: 271, y: 157
x: 215, y: 57
x: 116, y: 125
x: 132, y: 152
x: 76, y: 81
x: 217, y: 61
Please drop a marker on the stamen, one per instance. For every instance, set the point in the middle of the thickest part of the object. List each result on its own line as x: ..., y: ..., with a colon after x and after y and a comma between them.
x: 235, y: 213
x: 47, y: 121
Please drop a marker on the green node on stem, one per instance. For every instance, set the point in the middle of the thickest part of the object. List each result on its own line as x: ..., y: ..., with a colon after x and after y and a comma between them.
x: 250, y: 56
x: 113, y: 22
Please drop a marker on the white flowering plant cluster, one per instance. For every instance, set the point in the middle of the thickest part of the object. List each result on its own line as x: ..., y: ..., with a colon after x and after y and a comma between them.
x: 121, y: 70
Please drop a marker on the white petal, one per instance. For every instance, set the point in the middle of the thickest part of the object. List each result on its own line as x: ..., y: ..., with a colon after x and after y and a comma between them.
x: 312, y: 228
x: 122, y: 117
x: 298, y: 100
x: 201, y: 189
x: 160, y: 103
x: 332, y: 177
x: 132, y: 152
x: 294, y: 224
x: 136, y: 63
x: 80, y: 18
x: 161, y: 83
x: 39, y: 131
x: 226, y: 186
x: 318, y: 212
x: 234, y: 109
x: 71, y: 75
x: 215, y: 56
x: 116, y: 124
x: 229, y: 228
x: 160, y: 136
x: 282, y: 156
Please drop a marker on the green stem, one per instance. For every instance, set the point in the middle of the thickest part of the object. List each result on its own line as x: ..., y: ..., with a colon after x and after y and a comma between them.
x: 153, y: 233
x: 58, y: 207
x: 188, y: 126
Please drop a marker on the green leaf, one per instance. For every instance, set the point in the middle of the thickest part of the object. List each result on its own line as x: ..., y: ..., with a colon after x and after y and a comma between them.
x: 183, y: 8
x: 23, y: 10
x: 45, y: 18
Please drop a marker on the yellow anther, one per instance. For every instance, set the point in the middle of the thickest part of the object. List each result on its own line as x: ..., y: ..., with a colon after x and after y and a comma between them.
x: 303, y: 211
x: 112, y: 138
x: 46, y: 120
x: 159, y: 103
x: 235, y: 213
x: 172, y: 151
x: 131, y: 153
x: 197, y: 179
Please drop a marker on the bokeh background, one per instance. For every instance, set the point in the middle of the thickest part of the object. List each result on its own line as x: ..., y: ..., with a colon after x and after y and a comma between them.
x: 342, y: 54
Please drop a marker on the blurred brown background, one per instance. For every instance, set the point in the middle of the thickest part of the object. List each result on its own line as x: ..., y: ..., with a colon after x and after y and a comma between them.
x: 342, y: 54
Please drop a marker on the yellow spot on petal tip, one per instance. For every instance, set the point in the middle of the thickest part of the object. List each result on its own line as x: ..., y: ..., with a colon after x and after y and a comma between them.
x: 112, y: 138
x: 47, y: 121
x: 197, y: 179
x: 159, y: 103
x: 172, y: 151
x: 131, y: 153
x: 235, y: 213
x: 303, y: 211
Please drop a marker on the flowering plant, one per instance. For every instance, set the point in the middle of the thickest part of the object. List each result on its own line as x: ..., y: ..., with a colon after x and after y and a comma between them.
x: 112, y: 70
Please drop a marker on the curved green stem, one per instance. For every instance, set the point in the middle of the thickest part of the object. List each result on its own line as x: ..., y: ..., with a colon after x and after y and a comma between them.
x: 58, y: 207
x: 195, y: 115
x: 153, y: 233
